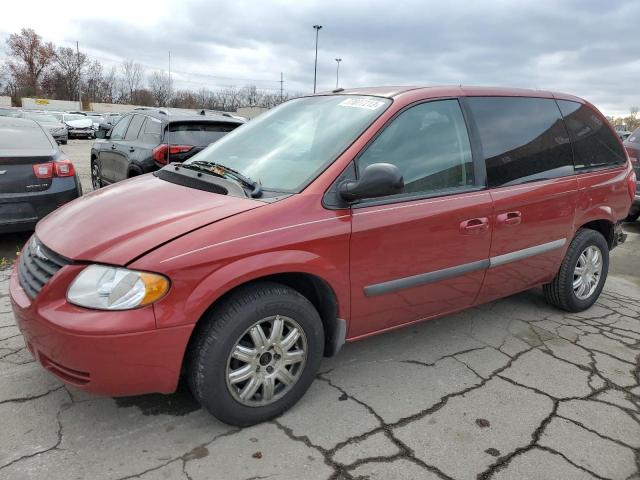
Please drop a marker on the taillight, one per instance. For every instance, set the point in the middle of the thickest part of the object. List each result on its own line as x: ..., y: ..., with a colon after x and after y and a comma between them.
x: 43, y: 170
x: 64, y: 168
x: 61, y: 168
x: 632, y: 184
x: 160, y: 152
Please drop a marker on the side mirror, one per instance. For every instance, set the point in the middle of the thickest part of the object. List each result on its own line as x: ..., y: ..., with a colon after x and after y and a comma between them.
x: 377, y: 180
x: 103, y: 131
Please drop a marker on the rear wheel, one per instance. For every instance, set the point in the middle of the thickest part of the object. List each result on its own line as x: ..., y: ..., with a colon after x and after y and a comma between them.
x: 255, y: 354
x: 582, y: 274
x: 96, y: 174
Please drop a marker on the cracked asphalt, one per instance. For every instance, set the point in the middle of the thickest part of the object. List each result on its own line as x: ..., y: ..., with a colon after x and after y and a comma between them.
x: 514, y: 389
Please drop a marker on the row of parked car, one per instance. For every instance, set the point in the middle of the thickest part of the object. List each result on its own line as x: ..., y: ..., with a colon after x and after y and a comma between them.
x: 36, y: 177
x: 65, y: 125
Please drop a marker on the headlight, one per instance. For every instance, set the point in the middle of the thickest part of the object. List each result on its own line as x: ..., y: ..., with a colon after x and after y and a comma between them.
x: 112, y: 288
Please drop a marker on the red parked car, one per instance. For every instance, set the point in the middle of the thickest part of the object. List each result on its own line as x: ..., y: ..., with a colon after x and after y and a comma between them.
x: 328, y: 219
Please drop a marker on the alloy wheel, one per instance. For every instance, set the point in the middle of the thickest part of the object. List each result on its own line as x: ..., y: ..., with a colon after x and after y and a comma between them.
x: 266, y: 361
x: 587, y: 272
x: 96, y: 180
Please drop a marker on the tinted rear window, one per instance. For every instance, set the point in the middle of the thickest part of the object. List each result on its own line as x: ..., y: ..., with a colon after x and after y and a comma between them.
x: 523, y: 139
x: 594, y: 144
x: 199, y: 134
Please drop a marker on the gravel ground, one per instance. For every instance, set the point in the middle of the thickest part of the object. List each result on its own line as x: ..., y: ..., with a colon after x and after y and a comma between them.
x: 510, y: 390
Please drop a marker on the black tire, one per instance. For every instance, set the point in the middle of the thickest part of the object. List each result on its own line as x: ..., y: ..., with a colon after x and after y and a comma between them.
x: 559, y: 292
x: 632, y: 217
x: 220, y: 330
x: 96, y: 175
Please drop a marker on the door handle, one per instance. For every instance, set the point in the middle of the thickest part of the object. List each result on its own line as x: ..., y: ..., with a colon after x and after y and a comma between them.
x: 474, y: 225
x: 510, y: 218
x: 113, y: 147
x: 131, y: 149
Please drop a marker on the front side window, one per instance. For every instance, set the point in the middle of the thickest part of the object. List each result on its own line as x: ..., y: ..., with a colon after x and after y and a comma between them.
x: 429, y: 144
x: 523, y: 139
x: 287, y: 147
x: 121, y: 127
x: 594, y: 144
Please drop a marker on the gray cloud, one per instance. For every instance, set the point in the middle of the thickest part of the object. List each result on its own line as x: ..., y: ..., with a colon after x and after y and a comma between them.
x: 580, y: 47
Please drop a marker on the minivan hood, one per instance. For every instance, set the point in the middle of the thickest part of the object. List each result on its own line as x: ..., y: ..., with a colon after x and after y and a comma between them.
x: 119, y: 223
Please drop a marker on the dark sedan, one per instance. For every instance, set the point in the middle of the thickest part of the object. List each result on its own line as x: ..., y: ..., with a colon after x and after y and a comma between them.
x: 35, y: 178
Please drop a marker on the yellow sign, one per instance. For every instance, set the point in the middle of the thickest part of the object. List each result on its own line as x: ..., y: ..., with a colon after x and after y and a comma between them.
x: 42, y: 101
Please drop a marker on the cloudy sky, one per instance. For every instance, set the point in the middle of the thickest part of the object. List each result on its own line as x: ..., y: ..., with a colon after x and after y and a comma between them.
x: 584, y: 47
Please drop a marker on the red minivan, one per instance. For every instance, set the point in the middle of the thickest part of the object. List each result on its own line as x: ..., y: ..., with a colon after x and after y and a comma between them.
x: 328, y: 219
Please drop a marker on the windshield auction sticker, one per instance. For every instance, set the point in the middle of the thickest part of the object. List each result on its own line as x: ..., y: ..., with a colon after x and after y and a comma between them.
x: 361, y: 103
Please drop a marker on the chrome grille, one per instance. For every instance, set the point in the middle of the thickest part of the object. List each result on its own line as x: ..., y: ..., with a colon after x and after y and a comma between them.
x: 37, y: 264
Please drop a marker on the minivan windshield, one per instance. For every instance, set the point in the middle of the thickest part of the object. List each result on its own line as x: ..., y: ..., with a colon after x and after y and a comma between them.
x: 287, y: 147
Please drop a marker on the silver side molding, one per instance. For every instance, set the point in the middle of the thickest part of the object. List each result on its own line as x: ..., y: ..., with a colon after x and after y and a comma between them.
x: 438, y: 275
x: 526, y: 253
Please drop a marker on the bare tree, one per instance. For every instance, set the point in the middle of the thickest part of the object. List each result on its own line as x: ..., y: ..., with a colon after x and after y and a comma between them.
x: 133, y: 74
x: 159, y: 87
x: 30, y: 58
x: 69, y: 64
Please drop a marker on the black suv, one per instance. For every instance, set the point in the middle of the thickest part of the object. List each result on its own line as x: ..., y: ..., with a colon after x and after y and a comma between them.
x: 145, y: 140
x: 632, y: 146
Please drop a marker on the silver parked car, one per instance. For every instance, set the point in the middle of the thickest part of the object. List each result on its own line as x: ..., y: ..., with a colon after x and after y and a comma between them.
x: 56, y: 128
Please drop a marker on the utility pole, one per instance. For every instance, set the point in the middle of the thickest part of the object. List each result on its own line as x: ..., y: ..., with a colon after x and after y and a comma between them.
x: 281, y: 83
x: 338, y: 60
x: 169, y: 99
x: 79, y: 79
x: 315, y: 67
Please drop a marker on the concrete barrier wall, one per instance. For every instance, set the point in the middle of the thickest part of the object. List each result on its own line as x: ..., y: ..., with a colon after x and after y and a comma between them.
x: 111, y: 107
x: 46, y: 104
x: 250, y: 112
x: 5, y: 101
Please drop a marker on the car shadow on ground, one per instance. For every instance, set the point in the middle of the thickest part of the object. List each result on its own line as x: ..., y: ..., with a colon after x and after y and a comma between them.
x: 176, y: 404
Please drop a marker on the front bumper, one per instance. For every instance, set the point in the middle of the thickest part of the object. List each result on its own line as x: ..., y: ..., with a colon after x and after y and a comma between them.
x: 21, y: 211
x: 61, y: 136
x: 75, y: 133
x: 91, y: 350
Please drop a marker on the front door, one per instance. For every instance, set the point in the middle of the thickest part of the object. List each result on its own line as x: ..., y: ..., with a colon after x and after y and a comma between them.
x: 423, y: 252
x: 109, y: 152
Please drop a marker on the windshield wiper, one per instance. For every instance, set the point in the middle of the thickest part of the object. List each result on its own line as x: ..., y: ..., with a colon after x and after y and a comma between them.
x: 223, y: 171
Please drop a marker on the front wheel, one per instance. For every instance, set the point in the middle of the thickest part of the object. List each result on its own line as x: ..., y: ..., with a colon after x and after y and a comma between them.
x: 256, y: 354
x: 582, y: 274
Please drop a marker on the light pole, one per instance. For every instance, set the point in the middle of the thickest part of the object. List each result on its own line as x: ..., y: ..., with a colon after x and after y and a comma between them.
x: 315, y: 67
x: 338, y: 60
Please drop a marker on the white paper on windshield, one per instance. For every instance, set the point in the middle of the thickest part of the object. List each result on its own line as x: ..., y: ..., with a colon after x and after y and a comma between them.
x: 361, y: 103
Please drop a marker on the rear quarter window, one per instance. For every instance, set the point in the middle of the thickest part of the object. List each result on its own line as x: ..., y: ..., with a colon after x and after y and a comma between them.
x: 523, y: 139
x: 198, y: 134
x: 594, y: 144
x: 634, y: 137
